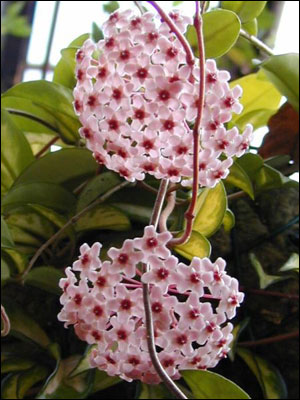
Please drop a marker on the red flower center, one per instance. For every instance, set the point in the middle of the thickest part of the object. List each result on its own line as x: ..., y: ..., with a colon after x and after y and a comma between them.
x: 202, y: 166
x: 110, y: 42
x: 169, y: 124
x: 194, y: 313
x: 142, y: 73
x: 172, y: 52
x: 152, y: 242
x: 77, y: 299
x: 211, y: 78
x: 222, y: 144
x: 182, y: 150
x: 164, y: 95
x: 139, y: 114
x: 181, y: 339
x: 126, y: 304
x: 229, y: 102
x: 122, y: 153
x: 85, y: 259
x: 101, y: 281
x: 135, y: 22
x: 123, y: 258
x: 217, y: 276
x: 113, y: 124
x: 133, y: 360
x: 162, y: 273
x: 147, y: 144
x: 157, y: 307
x: 117, y: 94
x: 98, y: 311
x: 102, y: 72
x: 87, y: 133
x: 92, y: 101
x: 152, y: 36
x: 79, y: 55
x: 195, y: 278
x: 80, y: 75
x: 124, y: 172
x: 124, y: 55
x: 96, y: 335
x: 173, y: 172
x: 122, y: 335
x: 168, y: 362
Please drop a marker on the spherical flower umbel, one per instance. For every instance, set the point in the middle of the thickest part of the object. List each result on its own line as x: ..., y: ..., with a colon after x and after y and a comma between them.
x: 138, y: 100
x: 104, y: 303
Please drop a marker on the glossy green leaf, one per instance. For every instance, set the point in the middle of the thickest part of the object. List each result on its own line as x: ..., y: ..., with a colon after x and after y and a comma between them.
x: 5, y: 272
x: 208, y: 385
x: 265, y: 279
x: 67, y: 166
x: 18, y: 260
x: 23, y: 326
x: 136, y: 212
x: 260, y: 100
x: 239, y: 178
x: 236, y: 332
x: 9, y: 386
x: 53, y: 100
x: 221, y: 30
x: 29, y: 378
x: 210, y: 210
x: 229, y: 220
x: 267, y: 375
x: 251, y: 27
x: 103, y: 217
x: 283, y: 72
x: 251, y: 164
x: 6, y: 238
x: 97, y: 33
x: 46, y: 278
x: 197, y: 246
x: 16, y: 153
x: 110, y: 6
x: 99, y: 185
x: 45, y: 194
x: 16, y: 364
x: 292, y: 264
x: 269, y: 178
x: 83, y: 364
x: 246, y: 10
x: 278, y: 162
x: 154, y: 392
x: 64, y: 72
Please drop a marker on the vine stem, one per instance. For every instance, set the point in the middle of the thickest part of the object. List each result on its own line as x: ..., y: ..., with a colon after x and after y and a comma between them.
x: 272, y: 339
x: 71, y: 221
x: 171, y: 201
x: 46, y: 147
x: 190, y: 59
x: 257, y: 43
x: 190, y: 213
x: 147, y: 304
x: 6, y: 323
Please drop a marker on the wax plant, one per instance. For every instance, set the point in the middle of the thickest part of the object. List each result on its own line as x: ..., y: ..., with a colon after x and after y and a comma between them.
x: 154, y: 142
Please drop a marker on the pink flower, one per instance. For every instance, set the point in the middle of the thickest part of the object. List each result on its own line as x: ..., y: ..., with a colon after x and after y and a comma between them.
x: 193, y: 277
x: 88, y: 260
x: 162, y: 273
x: 127, y: 303
x: 125, y: 259
x: 153, y: 243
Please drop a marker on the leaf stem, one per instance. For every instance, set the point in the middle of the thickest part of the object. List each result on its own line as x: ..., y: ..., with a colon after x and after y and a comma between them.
x: 189, y: 215
x: 6, y: 323
x: 257, y: 43
x: 71, y: 221
x: 46, y: 147
x: 171, y: 202
x: 272, y: 339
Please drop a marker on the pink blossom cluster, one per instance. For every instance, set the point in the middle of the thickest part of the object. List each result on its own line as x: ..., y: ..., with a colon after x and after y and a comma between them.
x: 104, y: 302
x: 137, y: 101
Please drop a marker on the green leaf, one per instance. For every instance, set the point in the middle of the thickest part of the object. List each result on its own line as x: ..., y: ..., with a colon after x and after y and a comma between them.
x: 260, y: 100
x: 269, y: 178
x: 251, y: 164
x: 9, y: 386
x: 154, y: 392
x: 208, y: 385
x: 29, y: 378
x: 111, y: 6
x: 97, y: 33
x: 6, y: 238
x: 103, y: 217
x: 16, y: 364
x: 236, y: 332
x: 16, y: 153
x: 64, y: 72
x: 5, y: 271
x: 177, y: 3
x: 210, y: 210
x: 197, y: 246
x: 83, y: 364
x: 17, y: 259
x: 239, y: 178
x: 283, y: 72
x: 265, y: 280
x: 46, y: 278
x: 267, y: 375
x: 246, y: 10
x: 292, y: 264
x: 99, y: 185
x: 23, y: 326
x: 59, y: 167
x: 221, y: 30
x: 37, y: 97
x: 229, y: 220
x: 136, y: 212
x: 45, y: 194
x: 15, y: 8
x: 251, y: 27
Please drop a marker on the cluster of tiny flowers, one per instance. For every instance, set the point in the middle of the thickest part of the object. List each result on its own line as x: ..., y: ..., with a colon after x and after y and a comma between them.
x: 137, y: 101
x: 104, y: 302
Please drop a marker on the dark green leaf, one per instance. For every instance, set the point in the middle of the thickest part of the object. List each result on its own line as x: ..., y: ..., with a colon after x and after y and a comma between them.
x: 136, y: 212
x: 6, y: 238
x: 97, y: 33
x: 99, y: 185
x: 46, y: 278
x: 64, y: 72
x: 251, y: 164
x: 267, y: 375
x: 103, y: 381
x: 45, y: 194
x: 208, y: 385
x: 18, y: 260
x: 246, y: 10
x: 111, y: 6
x: 269, y: 178
x: 16, y: 364
x: 68, y: 167
x: 16, y: 153
x: 154, y: 392
x: 9, y: 386
x: 5, y: 272
x: 210, y: 210
x: 29, y: 378
x: 237, y: 330
x: 239, y: 178
x: 103, y: 217
x: 221, y: 30
x: 283, y: 72
x: 51, y: 97
x: 197, y: 246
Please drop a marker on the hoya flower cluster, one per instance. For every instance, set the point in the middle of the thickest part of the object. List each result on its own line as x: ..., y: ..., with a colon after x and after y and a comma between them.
x: 104, y: 302
x: 137, y: 100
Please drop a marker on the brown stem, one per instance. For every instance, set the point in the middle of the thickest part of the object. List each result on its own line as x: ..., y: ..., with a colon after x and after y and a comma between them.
x: 189, y: 215
x: 190, y: 59
x: 272, y: 339
x: 6, y: 323
x: 71, y: 221
x: 236, y: 195
x: 171, y: 202
x: 261, y: 292
x: 147, y: 304
x: 46, y: 147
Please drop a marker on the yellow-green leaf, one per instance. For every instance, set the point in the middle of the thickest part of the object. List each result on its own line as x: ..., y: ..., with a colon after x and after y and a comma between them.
x: 292, y: 264
x: 246, y: 10
x: 197, y: 246
x: 229, y: 220
x: 210, y: 210
x: 251, y: 27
